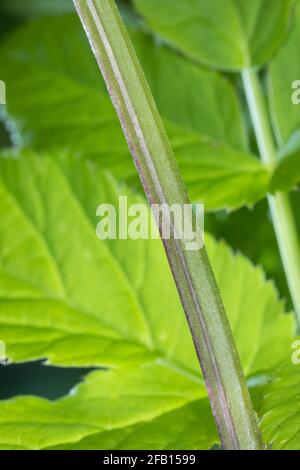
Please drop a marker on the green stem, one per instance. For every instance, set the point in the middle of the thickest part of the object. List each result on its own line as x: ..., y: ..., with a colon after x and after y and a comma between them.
x: 280, y: 207
x: 155, y: 162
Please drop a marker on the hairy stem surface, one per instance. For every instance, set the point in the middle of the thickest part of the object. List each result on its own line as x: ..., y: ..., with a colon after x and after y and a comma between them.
x: 279, y: 203
x: 155, y: 162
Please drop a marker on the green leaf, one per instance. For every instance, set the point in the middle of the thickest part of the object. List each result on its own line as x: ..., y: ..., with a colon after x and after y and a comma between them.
x: 111, y: 303
x: 190, y: 96
x: 107, y: 400
x: 204, y: 123
x: 204, y: 96
x: 221, y: 176
x: 249, y: 318
x: 31, y: 8
x: 90, y: 295
x: 228, y: 35
x: 72, y: 299
x: 281, y: 409
x: 287, y: 172
x: 190, y: 427
x: 284, y: 71
x: 237, y: 229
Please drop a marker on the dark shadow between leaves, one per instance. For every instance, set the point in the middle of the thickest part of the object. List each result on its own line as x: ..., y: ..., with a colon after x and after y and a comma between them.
x: 34, y: 378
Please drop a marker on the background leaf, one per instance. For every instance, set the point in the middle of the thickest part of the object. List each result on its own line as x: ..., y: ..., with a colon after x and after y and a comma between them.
x: 287, y: 172
x: 31, y: 8
x: 206, y: 130
x: 228, y: 35
x: 284, y: 70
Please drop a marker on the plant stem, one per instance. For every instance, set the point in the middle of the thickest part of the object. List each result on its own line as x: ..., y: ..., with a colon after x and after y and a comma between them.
x: 279, y: 203
x: 155, y: 162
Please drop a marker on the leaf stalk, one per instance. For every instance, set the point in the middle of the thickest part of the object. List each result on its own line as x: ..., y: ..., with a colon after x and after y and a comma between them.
x: 279, y: 203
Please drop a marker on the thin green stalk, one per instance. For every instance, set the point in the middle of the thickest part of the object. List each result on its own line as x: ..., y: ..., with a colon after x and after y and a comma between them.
x: 155, y: 162
x: 280, y: 207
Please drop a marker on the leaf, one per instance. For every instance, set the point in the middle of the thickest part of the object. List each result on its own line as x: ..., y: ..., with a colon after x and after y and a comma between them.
x: 75, y: 300
x: 190, y: 96
x: 287, y: 172
x: 259, y: 355
x: 229, y: 35
x: 107, y: 400
x: 31, y: 8
x: 281, y: 409
x: 50, y: 204
x: 105, y: 303
x: 62, y: 84
x: 284, y: 71
x: 221, y: 176
x: 190, y: 427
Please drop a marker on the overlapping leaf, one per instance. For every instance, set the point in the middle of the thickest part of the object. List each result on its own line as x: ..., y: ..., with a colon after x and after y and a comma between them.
x: 106, y: 401
x: 228, y: 35
x: 55, y: 101
x: 73, y: 299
